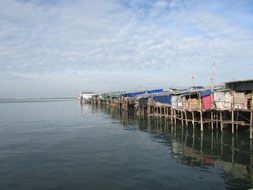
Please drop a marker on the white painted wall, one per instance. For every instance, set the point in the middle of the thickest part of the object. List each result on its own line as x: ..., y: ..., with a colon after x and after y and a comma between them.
x: 87, y: 96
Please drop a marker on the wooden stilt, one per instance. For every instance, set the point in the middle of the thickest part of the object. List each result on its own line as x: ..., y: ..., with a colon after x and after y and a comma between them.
x: 232, y: 118
x: 182, y: 132
x: 171, y: 115
x: 171, y: 130
x: 186, y: 119
x: 201, y: 143
x: 148, y: 110
x: 201, y: 115
x: 193, y: 120
x: 175, y: 117
x: 251, y: 153
x: 201, y: 121
x: 212, y: 120
x: 233, y: 150
x: 182, y: 117
x: 221, y: 121
x: 251, y: 124
x: 237, y: 119
x: 221, y: 144
x: 233, y: 124
x: 217, y: 120
x: 193, y: 138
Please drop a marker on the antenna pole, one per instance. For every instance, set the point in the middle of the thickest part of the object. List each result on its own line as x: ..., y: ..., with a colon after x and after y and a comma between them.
x: 212, y: 83
x: 193, y: 80
x: 213, y: 76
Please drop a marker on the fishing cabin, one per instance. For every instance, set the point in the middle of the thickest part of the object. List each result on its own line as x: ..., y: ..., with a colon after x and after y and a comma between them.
x: 85, y: 97
x: 139, y: 100
x: 241, y: 93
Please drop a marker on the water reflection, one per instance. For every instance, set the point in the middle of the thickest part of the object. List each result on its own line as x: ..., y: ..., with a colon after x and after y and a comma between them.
x: 231, y: 154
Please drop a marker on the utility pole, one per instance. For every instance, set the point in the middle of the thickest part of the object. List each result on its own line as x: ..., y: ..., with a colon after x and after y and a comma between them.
x: 193, y: 80
x: 212, y: 78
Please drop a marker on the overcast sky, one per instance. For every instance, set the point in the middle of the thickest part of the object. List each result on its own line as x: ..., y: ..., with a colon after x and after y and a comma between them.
x: 61, y: 47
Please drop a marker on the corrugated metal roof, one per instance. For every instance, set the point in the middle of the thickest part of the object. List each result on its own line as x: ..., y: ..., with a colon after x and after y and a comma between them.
x: 236, y: 81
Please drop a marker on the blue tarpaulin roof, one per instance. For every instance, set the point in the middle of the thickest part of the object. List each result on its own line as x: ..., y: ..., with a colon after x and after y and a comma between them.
x: 165, y: 99
x: 132, y: 94
x: 204, y: 92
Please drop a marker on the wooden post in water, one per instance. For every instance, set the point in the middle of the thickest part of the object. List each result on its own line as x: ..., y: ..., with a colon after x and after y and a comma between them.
x: 212, y: 119
x: 251, y: 116
x: 251, y: 124
x: 193, y: 139
x: 201, y: 115
x: 201, y: 122
x: 148, y: 110
x: 217, y: 119
x: 233, y: 124
x: 171, y: 115
x: 201, y: 143
x: 175, y: 117
x: 237, y: 119
x: 221, y: 122
x: 221, y: 143
x: 233, y: 149
x: 251, y: 153
x: 182, y: 118
x: 186, y: 119
x: 193, y: 120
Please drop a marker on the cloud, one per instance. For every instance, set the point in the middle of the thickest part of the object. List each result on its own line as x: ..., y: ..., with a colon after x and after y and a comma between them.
x: 163, y: 40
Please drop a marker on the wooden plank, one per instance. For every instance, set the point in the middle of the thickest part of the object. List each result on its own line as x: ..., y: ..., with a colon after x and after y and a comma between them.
x: 251, y: 125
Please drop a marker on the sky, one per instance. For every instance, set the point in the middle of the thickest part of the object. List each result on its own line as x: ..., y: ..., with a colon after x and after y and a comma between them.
x: 57, y: 48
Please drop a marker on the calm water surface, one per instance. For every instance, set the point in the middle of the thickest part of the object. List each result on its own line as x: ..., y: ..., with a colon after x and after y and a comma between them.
x: 62, y: 145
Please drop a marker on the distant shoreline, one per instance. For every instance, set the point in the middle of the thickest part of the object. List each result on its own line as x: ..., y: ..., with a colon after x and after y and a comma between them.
x: 7, y: 100
x: 37, y: 98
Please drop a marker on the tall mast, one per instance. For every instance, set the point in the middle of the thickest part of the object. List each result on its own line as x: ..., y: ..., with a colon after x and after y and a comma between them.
x: 212, y: 76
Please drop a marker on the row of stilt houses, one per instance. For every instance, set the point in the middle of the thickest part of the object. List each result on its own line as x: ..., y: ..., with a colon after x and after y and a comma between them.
x: 229, y: 106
